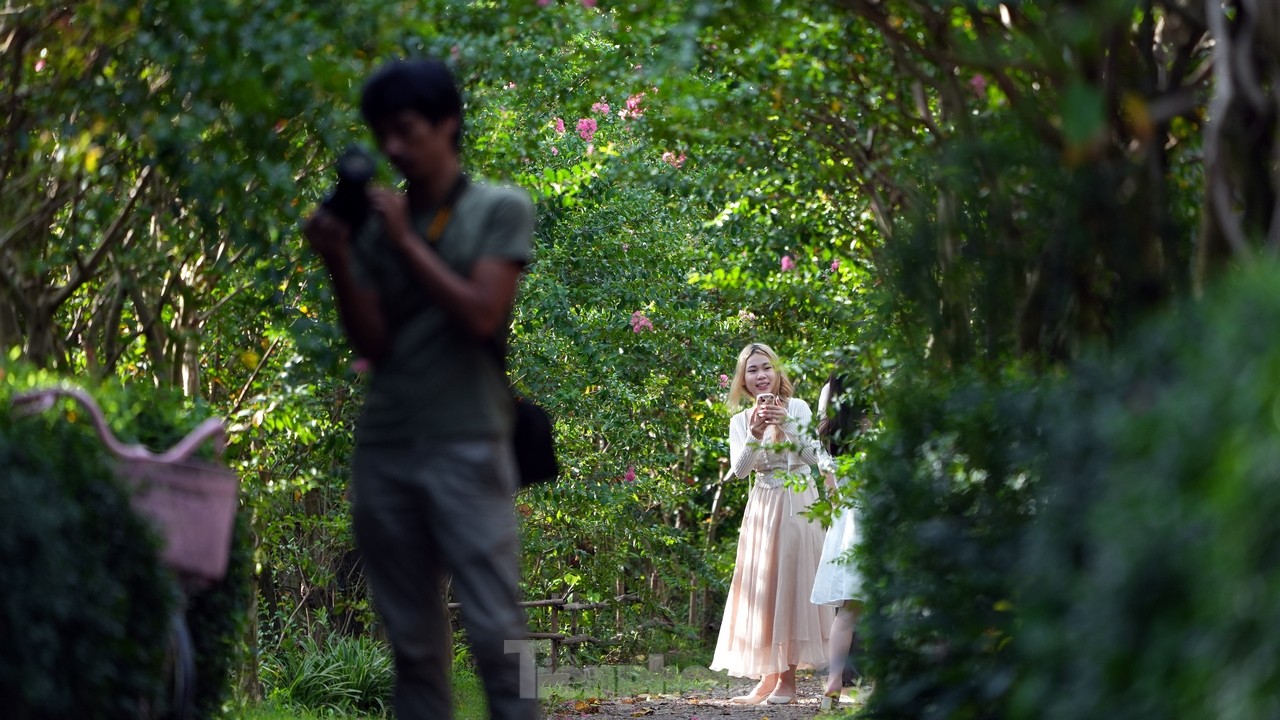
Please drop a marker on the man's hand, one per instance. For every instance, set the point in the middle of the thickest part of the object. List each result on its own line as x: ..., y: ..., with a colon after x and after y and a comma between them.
x: 328, y: 236
x: 394, y: 208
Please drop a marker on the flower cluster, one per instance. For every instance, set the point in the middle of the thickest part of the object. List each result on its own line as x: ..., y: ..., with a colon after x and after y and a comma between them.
x: 787, y: 263
x: 631, y: 474
x: 601, y: 107
x: 639, y: 322
x: 633, y: 109
x: 673, y: 159
x: 587, y: 128
x: 724, y: 380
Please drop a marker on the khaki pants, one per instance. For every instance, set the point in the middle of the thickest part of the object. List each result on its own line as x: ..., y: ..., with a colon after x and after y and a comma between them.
x: 423, y: 509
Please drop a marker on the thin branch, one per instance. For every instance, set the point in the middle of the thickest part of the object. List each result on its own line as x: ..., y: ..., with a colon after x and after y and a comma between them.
x: 45, y: 209
x: 262, y: 362
x: 203, y: 317
x: 115, y: 232
x: 922, y: 108
x: 1216, y: 177
x: 1243, y: 56
x: 149, y: 324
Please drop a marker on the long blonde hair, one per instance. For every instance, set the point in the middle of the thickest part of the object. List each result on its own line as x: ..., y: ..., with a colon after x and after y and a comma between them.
x: 738, y: 387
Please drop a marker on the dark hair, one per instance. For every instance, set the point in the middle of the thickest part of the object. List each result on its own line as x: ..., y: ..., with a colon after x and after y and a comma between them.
x: 423, y: 86
x: 843, y: 420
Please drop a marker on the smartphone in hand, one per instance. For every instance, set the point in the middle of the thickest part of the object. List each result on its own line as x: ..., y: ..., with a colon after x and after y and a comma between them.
x: 764, y: 399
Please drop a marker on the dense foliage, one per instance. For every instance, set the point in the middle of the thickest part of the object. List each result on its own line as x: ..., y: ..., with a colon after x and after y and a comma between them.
x: 948, y: 491
x: 1151, y: 572
x: 949, y: 200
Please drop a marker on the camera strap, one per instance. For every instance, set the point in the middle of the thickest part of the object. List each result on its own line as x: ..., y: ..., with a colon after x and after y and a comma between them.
x: 441, y: 220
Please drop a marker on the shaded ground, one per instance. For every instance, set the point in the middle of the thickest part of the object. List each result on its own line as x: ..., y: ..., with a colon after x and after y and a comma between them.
x: 693, y: 694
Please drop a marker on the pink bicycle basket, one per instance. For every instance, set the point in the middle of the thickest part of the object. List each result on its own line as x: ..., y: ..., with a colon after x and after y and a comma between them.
x: 191, y: 502
x: 193, y: 505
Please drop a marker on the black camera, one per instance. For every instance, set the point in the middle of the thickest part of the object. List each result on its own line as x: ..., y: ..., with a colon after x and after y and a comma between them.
x: 349, y: 199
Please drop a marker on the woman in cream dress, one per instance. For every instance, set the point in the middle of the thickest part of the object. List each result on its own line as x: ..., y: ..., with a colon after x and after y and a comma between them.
x: 769, y: 627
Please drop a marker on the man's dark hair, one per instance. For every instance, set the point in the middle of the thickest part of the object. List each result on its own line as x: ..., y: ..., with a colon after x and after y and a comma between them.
x: 423, y: 86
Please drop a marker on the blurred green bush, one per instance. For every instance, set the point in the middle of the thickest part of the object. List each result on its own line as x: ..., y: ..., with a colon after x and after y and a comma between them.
x: 947, y: 492
x: 1150, y: 583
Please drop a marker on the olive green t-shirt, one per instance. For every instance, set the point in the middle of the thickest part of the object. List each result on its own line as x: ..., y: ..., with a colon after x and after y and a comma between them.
x: 438, y: 381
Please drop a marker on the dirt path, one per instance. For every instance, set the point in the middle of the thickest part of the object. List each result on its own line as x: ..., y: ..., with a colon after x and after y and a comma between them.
x: 698, y: 705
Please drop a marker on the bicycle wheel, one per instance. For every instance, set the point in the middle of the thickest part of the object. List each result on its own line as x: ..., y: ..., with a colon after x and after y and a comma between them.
x: 181, y: 666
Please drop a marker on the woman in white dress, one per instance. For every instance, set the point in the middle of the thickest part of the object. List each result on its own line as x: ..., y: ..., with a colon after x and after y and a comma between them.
x: 769, y: 627
x: 838, y: 582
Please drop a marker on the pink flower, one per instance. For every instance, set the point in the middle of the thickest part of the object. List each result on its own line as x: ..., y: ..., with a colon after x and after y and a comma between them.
x: 639, y: 322
x: 633, y: 109
x: 560, y: 125
x: 587, y: 128
x: 588, y: 3
x: 511, y: 85
x: 601, y: 107
x: 979, y: 84
x: 672, y: 159
x: 543, y: 3
x: 631, y: 474
x: 787, y: 263
x: 555, y: 151
x: 39, y: 65
x: 361, y: 365
x: 724, y: 380
x: 626, y: 247
x: 835, y: 265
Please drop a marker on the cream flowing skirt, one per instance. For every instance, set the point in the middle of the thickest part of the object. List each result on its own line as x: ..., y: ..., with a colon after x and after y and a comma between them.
x: 768, y: 621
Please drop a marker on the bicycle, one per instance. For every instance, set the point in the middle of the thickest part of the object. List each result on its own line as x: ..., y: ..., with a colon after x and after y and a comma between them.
x: 192, y: 504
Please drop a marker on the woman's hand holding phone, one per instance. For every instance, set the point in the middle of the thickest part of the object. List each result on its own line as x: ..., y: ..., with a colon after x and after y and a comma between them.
x: 766, y: 413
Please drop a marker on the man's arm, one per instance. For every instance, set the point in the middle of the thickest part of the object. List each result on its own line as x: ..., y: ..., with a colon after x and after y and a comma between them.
x: 358, y: 306
x: 481, y: 302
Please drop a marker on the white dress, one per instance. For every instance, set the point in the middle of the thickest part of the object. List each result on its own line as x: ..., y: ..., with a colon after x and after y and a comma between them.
x: 838, y: 578
x: 769, y: 623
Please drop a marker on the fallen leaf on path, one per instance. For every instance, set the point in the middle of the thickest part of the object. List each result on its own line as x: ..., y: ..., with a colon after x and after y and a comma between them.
x: 642, y: 712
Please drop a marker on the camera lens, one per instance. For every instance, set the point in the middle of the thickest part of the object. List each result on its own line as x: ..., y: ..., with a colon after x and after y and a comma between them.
x: 355, y: 166
x: 348, y: 200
